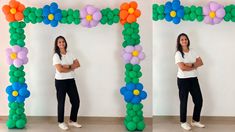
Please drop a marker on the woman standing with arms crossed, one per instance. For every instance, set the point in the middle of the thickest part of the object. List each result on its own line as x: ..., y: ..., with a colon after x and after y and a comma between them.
x: 65, y: 64
x: 188, y: 61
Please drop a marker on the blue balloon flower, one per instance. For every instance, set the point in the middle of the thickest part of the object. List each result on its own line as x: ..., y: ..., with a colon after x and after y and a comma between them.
x: 133, y: 93
x: 17, y: 92
x: 51, y: 14
x: 174, y: 11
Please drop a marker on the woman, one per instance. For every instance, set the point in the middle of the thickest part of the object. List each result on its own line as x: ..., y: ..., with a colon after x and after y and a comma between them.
x: 188, y: 61
x: 65, y: 64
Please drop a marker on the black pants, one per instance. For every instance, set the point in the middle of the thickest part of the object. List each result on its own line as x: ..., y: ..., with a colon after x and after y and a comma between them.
x: 67, y: 86
x: 186, y: 86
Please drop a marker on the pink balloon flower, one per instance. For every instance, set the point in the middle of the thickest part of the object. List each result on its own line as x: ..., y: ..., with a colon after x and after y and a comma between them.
x: 213, y: 12
x: 17, y: 55
x: 90, y: 16
x: 133, y: 54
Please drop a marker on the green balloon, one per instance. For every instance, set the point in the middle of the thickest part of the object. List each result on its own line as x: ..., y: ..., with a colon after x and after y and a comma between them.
x: 233, y: 12
x: 116, y: 19
x: 26, y: 11
x: 116, y: 11
x: 13, y: 105
x: 128, y: 66
x: 110, y: 15
x: 233, y: 19
x: 128, y: 118
x: 21, y: 105
x: 20, y: 123
x: 127, y: 25
x: 64, y: 20
x: 70, y: 18
x: 17, y: 73
x: 39, y: 19
x: 12, y: 112
x: 11, y: 124
x: 141, y: 126
x: 187, y: 10
x: 136, y: 67
x: 135, y: 80
x: 124, y: 44
x: 127, y: 79
x: 131, y: 126
x: 228, y: 9
x: 12, y: 30
x: 110, y: 22
x: 33, y: 9
x: 135, y: 36
x: 13, y: 79
x: 136, y: 107
x: 76, y: 14
x: 103, y: 20
x: 136, y: 119
x: 139, y: 74
x: 193, y: 8
x: 15, y: 117
x: 161, y: 16
x: 135, y: 25
x: 129, y: 106
x: 11, y: 73
x: 136, y: 30
x: 20, y: 68
x: 199, y: 11
x: 38, y: 12
x: 20, y: 110
x: 129, y: 31
x: 26, y: 19
x: 16, y: 24
x: 140, y: 113
x: 13, y: 68
x: 21, y: 79
x: 16, y: 36
x: 127, y: 37
x: 192, y: 16
x: 132, y: 74
x: 20, y: 42
x: 20, y: 30
x: 200, y: 18
x: 161, y: 9
x: 227, y: 17
x: 22, y: 24
x: 32, y: 16
x: 77, y: 21
x: 131, y: 113
x: 70, y: 12
x: 64, y: 13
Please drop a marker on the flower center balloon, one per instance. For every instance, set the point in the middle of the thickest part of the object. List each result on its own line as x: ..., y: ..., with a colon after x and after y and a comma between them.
x: 136, y: 92
x: 173, y: 13
x: 50, y: 17
x: 131, y: 10
x: 212, y: 14
x: 13, y: 11
x: 13, y: 56
x: 135, y: 53
x: 89, y: 17
x: 15, y: 93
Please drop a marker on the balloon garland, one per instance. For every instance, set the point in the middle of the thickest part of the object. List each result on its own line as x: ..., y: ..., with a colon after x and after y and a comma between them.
x: 18, y: 16
x: 212, y: 13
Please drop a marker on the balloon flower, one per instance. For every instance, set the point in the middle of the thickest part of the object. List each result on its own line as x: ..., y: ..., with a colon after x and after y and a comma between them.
x: 214, y: 13
x: 133, y: 54
x: 90, y: 16
x: 17, y: 56
x: 174, y: 11
x: 51, y: 14
x: 17, y: 92
x: 13, y: 11
x: 129, y: 12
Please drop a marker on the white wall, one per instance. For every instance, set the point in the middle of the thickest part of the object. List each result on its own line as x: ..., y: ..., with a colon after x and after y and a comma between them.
x: 98, y: 49
x: 215, y: 45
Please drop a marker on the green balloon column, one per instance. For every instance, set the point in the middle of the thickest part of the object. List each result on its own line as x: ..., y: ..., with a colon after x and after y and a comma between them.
x: 18, y: 16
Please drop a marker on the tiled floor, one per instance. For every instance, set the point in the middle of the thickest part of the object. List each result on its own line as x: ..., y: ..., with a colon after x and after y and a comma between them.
x: 213, y: 124
x: 49, y: 124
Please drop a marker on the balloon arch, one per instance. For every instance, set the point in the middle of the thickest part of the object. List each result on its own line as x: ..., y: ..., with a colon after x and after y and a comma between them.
x: 18, y: 16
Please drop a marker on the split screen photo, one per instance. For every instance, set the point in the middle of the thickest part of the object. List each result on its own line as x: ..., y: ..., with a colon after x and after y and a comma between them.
x: 117, y: 65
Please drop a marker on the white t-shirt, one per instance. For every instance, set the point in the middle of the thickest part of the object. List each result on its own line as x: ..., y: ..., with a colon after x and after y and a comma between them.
x: 66, y: 59
x: 189, y: 57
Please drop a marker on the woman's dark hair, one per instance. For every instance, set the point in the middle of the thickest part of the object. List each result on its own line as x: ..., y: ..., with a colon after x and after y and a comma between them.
x: 178, y: 45
x: 56, y: 48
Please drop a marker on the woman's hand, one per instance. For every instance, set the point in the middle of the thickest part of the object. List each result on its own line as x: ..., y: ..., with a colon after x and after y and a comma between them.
x: 189, y: 64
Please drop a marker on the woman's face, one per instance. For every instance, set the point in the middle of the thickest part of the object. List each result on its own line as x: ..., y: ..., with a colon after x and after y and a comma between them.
x: 61, y: 43
x: 183, y: 41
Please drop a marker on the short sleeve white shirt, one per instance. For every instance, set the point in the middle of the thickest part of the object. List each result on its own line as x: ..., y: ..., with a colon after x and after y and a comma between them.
x: 66, y: 59
x: 189, y: 57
